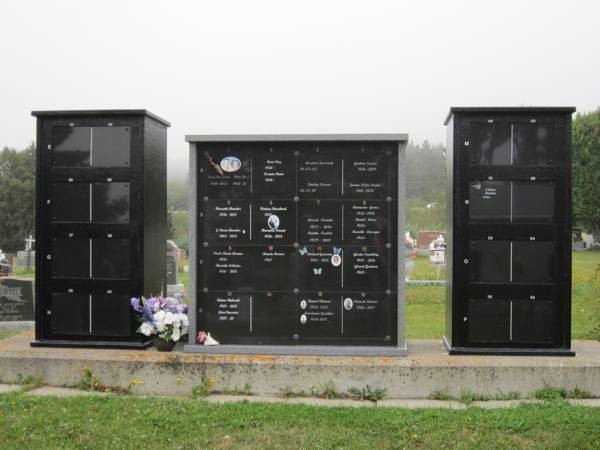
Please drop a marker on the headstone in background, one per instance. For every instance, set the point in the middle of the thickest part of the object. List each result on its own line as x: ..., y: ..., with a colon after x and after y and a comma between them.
x: 585, y: 242
x: 22, y: 258
x: 172, y: 248
x: 173, y: 257
x: 6, y: 269
x: 16, y: 299
x: 172, y: 275
x: 424, y: 238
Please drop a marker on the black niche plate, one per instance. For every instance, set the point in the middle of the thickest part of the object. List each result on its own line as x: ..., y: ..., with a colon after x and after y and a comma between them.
x: 367, y: 176
x: 533, y: 144
x: 320, y: 176
x: 490, y: 144
x: 249, y: 171
x: 367, y: 269
x: 254, y: 315
x: 71, y: 202
x: 110, y: 314
x: 490, y: 201
x: 320, y: 268
x: 247, y: 268
x: 71, y: 146
x: 70, y: 313
x: 320, y: 222
x: 367, y: 222
x: 337, y: 315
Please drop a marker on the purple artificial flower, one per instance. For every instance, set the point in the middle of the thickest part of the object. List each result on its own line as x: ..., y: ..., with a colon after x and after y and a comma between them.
x: 136, y: 303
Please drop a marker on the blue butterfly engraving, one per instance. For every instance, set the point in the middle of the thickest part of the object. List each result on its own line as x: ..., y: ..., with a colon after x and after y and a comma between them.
x: 317, y: 271
x: 303, y: 251
x: 337, y: 250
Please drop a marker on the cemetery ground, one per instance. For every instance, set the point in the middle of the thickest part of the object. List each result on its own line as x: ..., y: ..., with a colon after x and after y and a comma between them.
x: 134, y: 420
x: 101, y: 422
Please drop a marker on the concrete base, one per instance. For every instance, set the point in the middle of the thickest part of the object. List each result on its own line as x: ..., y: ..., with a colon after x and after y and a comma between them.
x: 427, y: 368
x: 17, y: 326
x: 297, y: 350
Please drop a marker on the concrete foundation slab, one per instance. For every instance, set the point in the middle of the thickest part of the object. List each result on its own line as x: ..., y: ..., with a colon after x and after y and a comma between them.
x: 9, y: 388
x: 419, y: 403
x: 493, y: 404
x: 64, y: 392
x: 594, y: 402
x: 17, y: 326
x: 427, y: 368
x: 329, y: 402
x: 240, y: 399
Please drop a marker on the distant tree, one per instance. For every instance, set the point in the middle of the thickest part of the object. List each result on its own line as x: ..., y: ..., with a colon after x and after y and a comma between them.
x: 586, y: 171
x: 425, y: 170
x: 177, y: 195
x: 17, y: 197
x: 170, y: 228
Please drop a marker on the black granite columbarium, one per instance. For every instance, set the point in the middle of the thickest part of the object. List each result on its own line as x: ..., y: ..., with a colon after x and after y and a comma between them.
x: 101, y: 218
x: 294, y: 243
x: 509, y: 218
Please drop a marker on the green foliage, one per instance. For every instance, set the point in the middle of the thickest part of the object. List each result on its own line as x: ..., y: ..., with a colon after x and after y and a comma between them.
x: 7, y: 334
x: 237, y: 391
x: 202, y: 390
x: 441, y: 394
x: 30, y: 382
x: 586, y: 167
x: 367, y: 393
x: 425, y: 167
x: 466, y: 396
x: 418, y: 217
x: 17, y: 197
x: 170, y: 228
x: 556, y: 393
x: 177, y: 195
x: 133, y: 422
x: 24, y: 272
x: 593, y: 298
x: 329, y: 390
x: 512, y: 395
x: 90, y: 382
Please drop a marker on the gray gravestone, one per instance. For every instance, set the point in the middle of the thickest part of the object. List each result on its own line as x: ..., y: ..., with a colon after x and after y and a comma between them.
x: 22, y: 258
x: 16, y: 299
x: 172, y: 275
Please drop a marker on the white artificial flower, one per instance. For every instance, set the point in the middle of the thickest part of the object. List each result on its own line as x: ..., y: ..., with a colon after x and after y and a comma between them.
x: 147, y: 329
x: 169, y: 318
x: 175, y: 337
x: 159, y: 316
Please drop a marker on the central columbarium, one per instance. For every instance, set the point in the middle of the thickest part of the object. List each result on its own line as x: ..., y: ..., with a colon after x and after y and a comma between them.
x: 294, y: 244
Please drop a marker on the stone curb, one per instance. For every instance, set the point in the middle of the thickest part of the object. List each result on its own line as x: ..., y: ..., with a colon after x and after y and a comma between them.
x: 311, y: 401
x: 9, y: 388
x: 64, y: 392
x: 420, y: 403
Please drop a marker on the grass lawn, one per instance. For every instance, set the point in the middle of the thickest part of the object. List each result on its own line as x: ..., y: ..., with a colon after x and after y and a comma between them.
x: 424, y: 305
x: 159, y: 423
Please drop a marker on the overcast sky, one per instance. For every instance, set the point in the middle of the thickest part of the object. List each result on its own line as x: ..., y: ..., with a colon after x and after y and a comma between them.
x: 277, y: 67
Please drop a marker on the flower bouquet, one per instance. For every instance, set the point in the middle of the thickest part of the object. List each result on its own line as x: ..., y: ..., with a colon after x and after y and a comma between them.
x: 163, y: 317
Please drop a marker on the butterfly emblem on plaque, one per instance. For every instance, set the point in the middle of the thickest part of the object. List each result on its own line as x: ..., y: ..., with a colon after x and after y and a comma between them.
x: 317, y: 271
x: 337, y: 250
x: 303, y: 251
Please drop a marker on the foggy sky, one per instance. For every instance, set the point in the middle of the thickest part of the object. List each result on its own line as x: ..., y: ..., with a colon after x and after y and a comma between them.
x: 277, y: 67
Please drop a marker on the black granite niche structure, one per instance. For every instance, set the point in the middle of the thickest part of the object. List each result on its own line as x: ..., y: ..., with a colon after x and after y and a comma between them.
x: 509, y: 218
x: 294, y: 243
x: 100, y: 225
